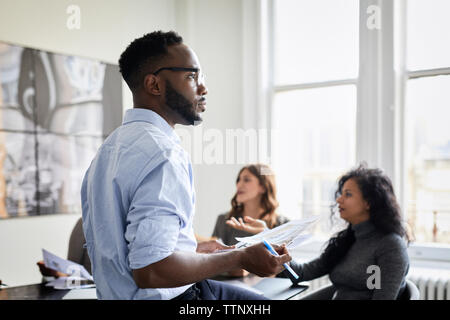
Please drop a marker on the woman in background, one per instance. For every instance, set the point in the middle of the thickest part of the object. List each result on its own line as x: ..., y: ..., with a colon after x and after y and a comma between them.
x: 368, y: 259
x: 253, y: 207
x: 255, y: 199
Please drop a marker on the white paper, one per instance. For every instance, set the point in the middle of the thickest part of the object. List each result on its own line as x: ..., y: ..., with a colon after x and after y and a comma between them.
x: 290, y: 233
x: 63, y: 283
x: 299, y: 240
x: 65, y: 266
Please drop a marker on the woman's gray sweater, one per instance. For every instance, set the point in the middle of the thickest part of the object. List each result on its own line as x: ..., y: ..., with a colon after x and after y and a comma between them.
x: 354, y: 277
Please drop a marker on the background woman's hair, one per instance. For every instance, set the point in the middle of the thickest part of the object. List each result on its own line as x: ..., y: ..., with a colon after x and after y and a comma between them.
x: 269, y: 202
x: 384, y: 211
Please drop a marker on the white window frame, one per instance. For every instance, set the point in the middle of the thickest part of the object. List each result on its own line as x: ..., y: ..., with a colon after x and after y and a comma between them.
x: 380, y: 95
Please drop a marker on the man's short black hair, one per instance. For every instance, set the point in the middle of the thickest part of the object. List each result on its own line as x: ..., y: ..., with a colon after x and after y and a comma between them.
x: 141, y: 55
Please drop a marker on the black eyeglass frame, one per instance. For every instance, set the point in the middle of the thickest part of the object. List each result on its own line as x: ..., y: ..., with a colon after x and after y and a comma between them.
x: 176, y: 69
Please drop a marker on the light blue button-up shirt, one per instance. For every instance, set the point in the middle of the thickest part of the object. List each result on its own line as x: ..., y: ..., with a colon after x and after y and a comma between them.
x: 138, y: 205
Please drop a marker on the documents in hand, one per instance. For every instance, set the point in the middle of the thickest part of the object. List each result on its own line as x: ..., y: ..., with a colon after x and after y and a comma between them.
x: 78, y: 277
x: 290, y: 233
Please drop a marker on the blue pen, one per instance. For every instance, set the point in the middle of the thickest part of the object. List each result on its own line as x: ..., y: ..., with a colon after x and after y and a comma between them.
x: 288, y: 268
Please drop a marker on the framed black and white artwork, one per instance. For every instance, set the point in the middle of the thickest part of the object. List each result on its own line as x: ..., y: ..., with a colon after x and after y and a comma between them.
x: 55, y: 111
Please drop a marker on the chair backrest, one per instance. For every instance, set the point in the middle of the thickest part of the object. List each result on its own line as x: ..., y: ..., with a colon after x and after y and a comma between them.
x: 411, y: 292
x: 414, y: 291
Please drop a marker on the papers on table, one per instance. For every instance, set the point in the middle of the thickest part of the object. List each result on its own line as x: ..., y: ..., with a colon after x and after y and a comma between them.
x: 78, y: 277
x: 64, y: 283
x: 291, y: 233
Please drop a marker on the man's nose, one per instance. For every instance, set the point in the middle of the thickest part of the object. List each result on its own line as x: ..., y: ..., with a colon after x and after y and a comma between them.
x: 202, y: 89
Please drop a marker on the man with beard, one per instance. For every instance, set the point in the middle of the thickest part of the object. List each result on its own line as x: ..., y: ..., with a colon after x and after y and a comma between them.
x: 138, y: 194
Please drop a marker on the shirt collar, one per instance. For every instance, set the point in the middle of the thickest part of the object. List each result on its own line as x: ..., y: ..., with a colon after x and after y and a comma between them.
x: 146, y: 115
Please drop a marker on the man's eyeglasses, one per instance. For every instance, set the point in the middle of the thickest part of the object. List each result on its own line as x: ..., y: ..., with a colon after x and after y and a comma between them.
x: 199, y: 76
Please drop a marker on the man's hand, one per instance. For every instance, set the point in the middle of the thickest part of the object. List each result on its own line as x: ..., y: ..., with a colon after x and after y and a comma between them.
x: 248, y: 224
x: 181, y: 268
x: 211, y: 246
x: 237, y: 273
x: 258, y: 260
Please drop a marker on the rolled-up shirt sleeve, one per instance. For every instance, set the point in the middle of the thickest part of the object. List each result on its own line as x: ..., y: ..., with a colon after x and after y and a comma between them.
x: 157, y: 212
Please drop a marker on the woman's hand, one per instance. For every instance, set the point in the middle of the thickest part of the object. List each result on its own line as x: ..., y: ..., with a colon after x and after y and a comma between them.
x: 211, y: 246
x: 249, y: 224
x: 47, y: 272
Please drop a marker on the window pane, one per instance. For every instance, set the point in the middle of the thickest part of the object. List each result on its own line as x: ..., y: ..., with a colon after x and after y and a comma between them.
x: 428, y: 158
x: 428, y: 27
x: 314, y: 144
x: 315, y: 40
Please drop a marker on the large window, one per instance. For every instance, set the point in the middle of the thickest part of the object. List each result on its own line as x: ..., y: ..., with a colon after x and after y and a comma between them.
x: 427, y: 118
x: 324, y: 45
x: 321, y: 104
x: 314, y: 105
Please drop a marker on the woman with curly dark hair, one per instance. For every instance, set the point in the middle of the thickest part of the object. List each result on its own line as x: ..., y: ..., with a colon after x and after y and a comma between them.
x: 368, y: 259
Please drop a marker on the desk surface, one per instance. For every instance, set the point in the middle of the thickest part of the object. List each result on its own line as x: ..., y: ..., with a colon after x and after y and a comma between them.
x: 32, y: 292
x: 273, y: 288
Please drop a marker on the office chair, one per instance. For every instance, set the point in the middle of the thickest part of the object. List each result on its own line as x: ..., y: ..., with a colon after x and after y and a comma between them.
x: 410, y: 292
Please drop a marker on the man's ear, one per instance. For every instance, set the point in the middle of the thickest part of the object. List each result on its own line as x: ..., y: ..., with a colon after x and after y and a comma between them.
x: 152, y: 85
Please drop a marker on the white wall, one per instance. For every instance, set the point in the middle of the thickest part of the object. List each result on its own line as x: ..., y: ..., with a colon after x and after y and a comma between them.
x: 214, y: 30
x: 22, y: 240
x: 107, y: 26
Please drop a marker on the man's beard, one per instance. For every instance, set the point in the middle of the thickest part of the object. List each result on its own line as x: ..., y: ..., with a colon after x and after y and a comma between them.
x: 181, y: 105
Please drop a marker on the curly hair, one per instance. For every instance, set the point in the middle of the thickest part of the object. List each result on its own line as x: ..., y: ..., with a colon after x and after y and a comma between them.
x: 269, y: 200
x: 142, y: 54
x: 384, y: 212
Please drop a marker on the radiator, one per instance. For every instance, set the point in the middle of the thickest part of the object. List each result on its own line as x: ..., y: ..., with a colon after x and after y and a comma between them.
x: 431, y: 288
